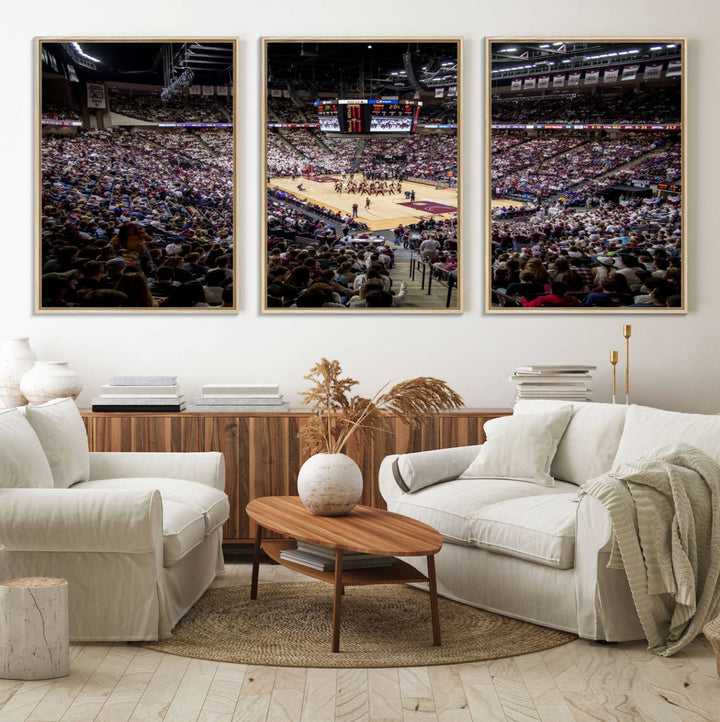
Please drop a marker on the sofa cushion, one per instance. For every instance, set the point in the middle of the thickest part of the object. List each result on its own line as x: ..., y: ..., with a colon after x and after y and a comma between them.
x: 212, y: 504
x: 183, y: 530
x: 647, y: 428
x: 22, y: 460
x: 61, y: 431
x: 540, y: 529
x: 591, y: 439
x: 520, y: 447
x: 454, y: 507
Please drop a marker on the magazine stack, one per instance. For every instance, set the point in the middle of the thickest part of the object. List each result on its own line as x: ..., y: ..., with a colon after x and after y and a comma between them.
x: 140, y: 393
x: 322, y: 558
x: 562, y: 382
x: 240, y: 398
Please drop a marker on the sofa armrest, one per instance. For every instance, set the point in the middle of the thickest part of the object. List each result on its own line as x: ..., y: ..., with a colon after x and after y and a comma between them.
x: 204, y: 467
x: 80, y: 520
x: 405, y: 473
x: 604, y: 602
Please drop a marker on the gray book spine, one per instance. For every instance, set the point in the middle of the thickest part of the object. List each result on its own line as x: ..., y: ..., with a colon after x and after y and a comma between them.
x: 240, y: 389
x: 242, y: 400
x: 138, y: 400
x: 143, y: 380
x: 240, y: 409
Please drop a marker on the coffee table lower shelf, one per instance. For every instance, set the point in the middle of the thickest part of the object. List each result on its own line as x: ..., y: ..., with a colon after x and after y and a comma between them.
x: 399, y: 572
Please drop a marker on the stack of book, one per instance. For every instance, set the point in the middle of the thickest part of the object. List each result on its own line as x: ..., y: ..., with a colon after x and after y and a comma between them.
x: 564, y: 382
x: 140, y: 393
x: 240, y: 398
x: 322, y: 558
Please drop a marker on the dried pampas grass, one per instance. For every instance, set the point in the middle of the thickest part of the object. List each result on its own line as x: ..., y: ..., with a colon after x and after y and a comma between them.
x: 339, y: 415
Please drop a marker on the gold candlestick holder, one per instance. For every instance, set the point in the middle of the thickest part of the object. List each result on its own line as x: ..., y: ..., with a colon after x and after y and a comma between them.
x: 627, y: 331
x: 613, y: 361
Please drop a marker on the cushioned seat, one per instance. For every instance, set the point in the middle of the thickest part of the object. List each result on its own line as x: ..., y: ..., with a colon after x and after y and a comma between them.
x: 207, y: 501
x: 539, y: 529
x: 459, y: 510
x: 183, y: 530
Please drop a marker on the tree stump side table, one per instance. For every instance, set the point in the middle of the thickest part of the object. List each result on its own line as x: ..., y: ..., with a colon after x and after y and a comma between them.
x: 34, y: 628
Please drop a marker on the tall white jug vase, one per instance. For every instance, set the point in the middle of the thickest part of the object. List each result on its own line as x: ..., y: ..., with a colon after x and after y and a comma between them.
x: 49, y: 380
x: 16, y: 359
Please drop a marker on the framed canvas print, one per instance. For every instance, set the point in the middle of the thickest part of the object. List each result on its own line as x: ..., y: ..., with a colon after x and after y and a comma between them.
x: 585, y: 175
x: 362, y: 175
x: 136, y: 175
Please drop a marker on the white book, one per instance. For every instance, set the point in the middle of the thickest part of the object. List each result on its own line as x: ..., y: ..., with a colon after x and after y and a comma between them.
x: 140, y: 390
x: 240, y: 409
x: 137, y: 400
x: 242, y: 399
x: 555, y: 388
x: 554, y: 368
x: 240, y: 389
x: 554, y: 379
x: 329, y: 552
x: 142, y: 380
x: 315, y: 561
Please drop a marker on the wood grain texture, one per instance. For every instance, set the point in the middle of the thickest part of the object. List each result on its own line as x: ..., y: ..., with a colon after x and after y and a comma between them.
x: 262, y: 451
x: 364, y: 529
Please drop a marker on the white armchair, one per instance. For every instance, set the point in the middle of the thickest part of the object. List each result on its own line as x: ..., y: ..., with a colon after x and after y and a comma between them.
x: 138, y: 536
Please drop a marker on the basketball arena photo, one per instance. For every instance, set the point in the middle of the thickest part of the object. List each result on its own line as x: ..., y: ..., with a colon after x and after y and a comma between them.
x: 136, y: 184
x: 585, y: 175
x: 361, y: 157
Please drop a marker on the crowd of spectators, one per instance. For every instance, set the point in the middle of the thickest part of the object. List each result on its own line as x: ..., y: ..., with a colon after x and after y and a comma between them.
x: 611, y: 254
x: 576, y: 163
x: 183, y: 109
x: 428, y: 158
x: 52, y: 111
x: 315, y: 264
x: 642, y: 106
x: 156, y: 208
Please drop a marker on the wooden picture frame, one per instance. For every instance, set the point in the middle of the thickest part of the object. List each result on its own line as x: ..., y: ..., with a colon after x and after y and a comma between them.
x: 585, y: 175
x: 361, y: 143
x: 136, y: 160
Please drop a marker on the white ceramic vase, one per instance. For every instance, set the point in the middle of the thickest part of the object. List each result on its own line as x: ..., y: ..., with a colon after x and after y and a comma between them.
x: 16, y: 359
x: 49, y: 380
x: 330, y: 484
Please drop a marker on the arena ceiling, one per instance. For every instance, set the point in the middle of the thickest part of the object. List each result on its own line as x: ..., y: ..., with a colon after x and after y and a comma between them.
x: 528, y: 57
x: 146, y: 62
x: 360, y: 66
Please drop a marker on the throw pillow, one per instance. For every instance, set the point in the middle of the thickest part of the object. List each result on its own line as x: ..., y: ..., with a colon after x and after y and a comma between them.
x: 61, y: 431
x: 520, y: 447
x: 22, y: 460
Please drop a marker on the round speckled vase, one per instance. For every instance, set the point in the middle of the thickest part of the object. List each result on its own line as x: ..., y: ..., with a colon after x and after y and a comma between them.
x: 16, y: 359
x: 330, y: 484
x: 49, y: 380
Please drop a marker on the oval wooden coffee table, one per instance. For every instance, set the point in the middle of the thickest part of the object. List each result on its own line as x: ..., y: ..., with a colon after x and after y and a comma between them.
x: 364, y: 529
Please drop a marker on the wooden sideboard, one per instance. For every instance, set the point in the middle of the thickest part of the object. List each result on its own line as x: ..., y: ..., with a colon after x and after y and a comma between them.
x: 262, y: 453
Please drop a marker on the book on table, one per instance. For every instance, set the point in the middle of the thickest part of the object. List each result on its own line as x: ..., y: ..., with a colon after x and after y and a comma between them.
x: 322, y: 558
x: 143, y: 380
x: 240, y: 389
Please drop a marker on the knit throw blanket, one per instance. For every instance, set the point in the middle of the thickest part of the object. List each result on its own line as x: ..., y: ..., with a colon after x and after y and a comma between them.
x: 665, y: 512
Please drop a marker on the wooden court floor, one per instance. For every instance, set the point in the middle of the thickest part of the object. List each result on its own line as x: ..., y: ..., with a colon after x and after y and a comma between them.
x: 384, y: 212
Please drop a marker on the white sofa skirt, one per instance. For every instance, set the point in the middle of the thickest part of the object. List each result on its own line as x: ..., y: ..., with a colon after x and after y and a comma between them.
x: 116, y: 596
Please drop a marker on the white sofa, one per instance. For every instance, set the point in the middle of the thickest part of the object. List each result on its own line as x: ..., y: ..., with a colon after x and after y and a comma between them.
x: 532, y: 551
x: 138, y: 536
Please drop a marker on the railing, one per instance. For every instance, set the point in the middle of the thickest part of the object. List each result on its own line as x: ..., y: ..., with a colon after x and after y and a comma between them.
x: 428, y: 272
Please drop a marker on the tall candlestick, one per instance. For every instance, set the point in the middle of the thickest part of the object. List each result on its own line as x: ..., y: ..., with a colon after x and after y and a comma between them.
x: 627, y: 331
x: 613, y: 361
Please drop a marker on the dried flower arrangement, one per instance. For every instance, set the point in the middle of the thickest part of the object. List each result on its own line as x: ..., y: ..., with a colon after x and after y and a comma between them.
x: 338, y: 415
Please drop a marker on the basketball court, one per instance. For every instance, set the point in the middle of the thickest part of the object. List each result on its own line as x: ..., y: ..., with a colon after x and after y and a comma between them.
x: 385, y: 212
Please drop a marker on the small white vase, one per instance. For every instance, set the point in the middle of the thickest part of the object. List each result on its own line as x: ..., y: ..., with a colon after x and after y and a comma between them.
x: 49, y: 380
x: 330, y: 484
x: 16, y: 358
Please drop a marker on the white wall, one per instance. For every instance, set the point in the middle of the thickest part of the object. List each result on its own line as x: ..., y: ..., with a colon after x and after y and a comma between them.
x: 674, y: 357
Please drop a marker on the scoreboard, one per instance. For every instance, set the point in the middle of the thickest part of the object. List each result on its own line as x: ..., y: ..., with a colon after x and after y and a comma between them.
x: 368, y: 116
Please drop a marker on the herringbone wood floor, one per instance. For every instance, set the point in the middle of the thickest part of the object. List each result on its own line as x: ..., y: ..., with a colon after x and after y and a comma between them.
x: 579, y: 681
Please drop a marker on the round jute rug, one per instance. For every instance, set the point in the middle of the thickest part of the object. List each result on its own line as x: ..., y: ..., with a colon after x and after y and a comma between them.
x: 289, y: 625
